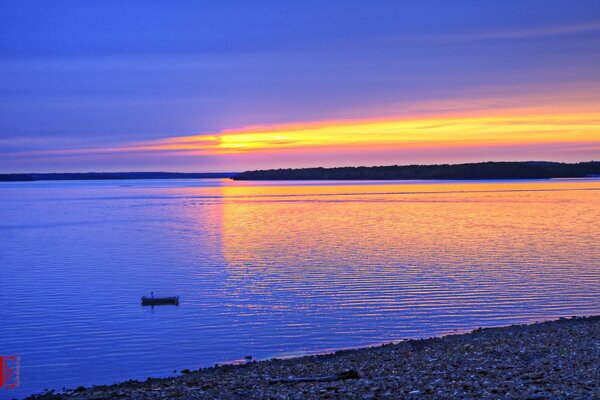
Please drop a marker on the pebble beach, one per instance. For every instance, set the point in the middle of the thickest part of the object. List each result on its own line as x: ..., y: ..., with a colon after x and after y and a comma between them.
x: 555, y: 359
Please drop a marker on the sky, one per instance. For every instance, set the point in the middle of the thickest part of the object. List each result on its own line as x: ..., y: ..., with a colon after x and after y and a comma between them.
x: 239, y: 85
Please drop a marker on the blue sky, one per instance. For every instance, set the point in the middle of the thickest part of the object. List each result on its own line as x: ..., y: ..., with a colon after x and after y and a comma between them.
x: 97, y: 74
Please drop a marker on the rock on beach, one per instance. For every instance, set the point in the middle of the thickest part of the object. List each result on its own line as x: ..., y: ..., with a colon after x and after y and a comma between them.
x: 556, y: 359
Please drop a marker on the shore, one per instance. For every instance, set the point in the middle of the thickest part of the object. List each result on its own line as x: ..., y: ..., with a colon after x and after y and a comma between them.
x: 556, y: 359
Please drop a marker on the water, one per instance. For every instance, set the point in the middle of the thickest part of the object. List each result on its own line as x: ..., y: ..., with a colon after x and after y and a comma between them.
x: 277, y: 269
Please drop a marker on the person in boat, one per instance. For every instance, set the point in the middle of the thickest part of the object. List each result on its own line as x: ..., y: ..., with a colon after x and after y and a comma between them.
x: 152, y: 294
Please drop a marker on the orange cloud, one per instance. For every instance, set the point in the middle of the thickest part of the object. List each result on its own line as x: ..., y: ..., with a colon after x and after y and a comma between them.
x: 409, y: 132
x: 487, y: 128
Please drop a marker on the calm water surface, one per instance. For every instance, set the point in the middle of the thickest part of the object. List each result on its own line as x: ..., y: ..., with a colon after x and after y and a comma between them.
x: 277, y: 269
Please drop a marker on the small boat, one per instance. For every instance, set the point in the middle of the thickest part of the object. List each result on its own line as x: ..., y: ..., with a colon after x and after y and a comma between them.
x: 158, y: 301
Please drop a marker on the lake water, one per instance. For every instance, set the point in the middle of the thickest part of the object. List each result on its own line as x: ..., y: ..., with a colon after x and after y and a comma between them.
x: 277, y: 269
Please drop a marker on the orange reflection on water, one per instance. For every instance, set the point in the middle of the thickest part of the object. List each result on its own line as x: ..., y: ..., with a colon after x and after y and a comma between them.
x: 374, y: 248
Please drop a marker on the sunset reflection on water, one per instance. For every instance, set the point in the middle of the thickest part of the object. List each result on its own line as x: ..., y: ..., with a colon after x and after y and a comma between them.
x: 488, y: 250
x: 278, y: 268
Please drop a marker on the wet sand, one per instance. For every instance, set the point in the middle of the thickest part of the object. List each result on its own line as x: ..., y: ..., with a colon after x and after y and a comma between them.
x: 556, y: 359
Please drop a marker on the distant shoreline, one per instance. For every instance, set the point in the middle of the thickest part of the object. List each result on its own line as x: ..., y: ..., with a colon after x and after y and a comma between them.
x: 111, y: 175
x: 555, y: 359
x: 471, y: 171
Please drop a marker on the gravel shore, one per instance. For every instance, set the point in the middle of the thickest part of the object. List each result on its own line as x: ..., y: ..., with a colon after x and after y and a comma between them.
x: 556, y: 359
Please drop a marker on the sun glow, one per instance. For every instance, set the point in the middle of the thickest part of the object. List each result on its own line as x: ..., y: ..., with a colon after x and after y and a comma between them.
x: 510, y: 134
x: 405, y: 133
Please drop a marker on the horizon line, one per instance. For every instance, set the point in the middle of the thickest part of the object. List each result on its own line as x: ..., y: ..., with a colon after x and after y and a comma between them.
x: 290, y: 168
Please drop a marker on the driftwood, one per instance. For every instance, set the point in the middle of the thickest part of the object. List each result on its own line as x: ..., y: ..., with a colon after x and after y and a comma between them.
x: 350, y: 374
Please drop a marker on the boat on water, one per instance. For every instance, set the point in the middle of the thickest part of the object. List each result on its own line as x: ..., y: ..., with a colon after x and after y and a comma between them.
x: 157, y: 301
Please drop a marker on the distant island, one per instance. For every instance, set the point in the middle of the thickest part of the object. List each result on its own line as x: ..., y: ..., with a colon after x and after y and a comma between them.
x: 482, y: 170
x: 110, y: 175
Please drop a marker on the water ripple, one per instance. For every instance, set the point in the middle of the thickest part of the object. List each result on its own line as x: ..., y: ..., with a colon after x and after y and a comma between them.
x: 278, y: 269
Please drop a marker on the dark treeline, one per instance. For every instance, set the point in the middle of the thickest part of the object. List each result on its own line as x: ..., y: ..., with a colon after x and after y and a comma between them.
x: 483, y: 170
x: 110, y: 175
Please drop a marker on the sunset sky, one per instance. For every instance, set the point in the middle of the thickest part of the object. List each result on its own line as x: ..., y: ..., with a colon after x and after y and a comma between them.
x: 237, y: 85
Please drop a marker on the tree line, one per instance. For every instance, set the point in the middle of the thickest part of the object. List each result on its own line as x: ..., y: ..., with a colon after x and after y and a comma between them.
x: 482, y: 170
